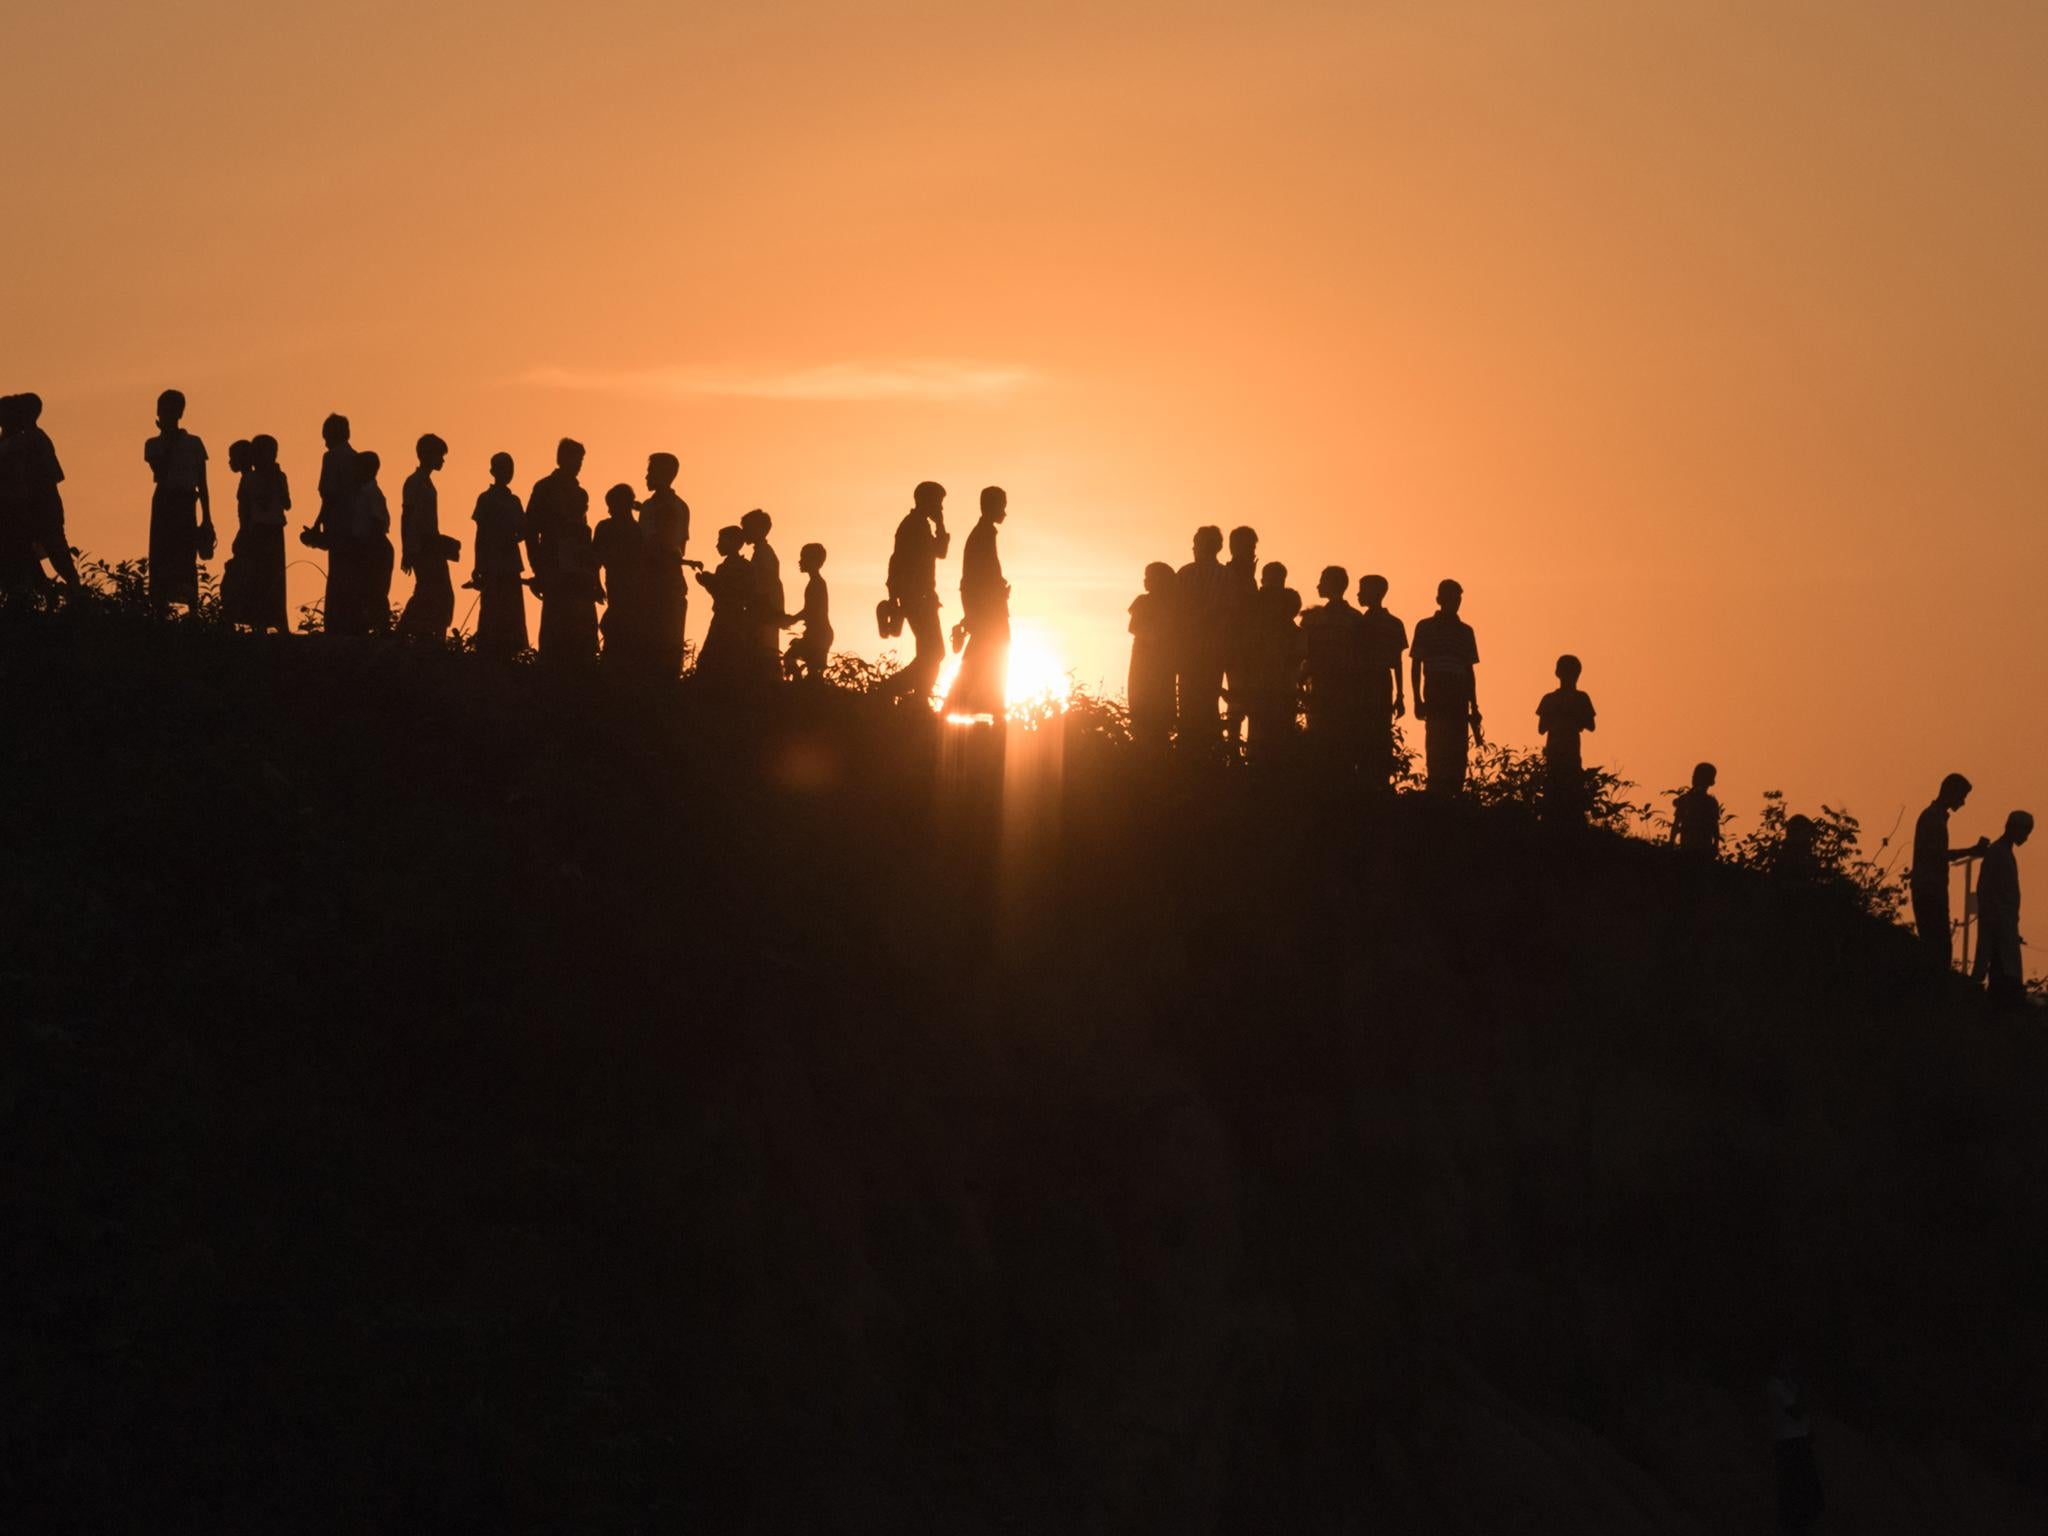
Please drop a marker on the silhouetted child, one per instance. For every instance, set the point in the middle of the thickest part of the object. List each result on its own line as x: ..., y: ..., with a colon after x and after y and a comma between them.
x: 2000, y: 964
x: 1443, y: 666
x: 727, y: 641
x: 809, y: 653
x: 431, y: 608
x: 34, y: 475
x: 370, y: 525
x: 259, y: 542
x: 1563, y: 715
x: 501, y: 595
x: 1270, y: 668
x: 240, y: 464
x: 1696, y: 816
x: 615, y: 546
x: 180, y: 511
x: 1333, y: 636
x: 1386, y: 637
x: 1149, y: 691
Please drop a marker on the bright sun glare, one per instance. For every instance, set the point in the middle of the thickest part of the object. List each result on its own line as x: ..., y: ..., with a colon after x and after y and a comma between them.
x: 1038, y: 675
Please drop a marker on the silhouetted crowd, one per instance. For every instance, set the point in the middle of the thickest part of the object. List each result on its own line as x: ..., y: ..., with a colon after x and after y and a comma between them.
x: 1226, y: 659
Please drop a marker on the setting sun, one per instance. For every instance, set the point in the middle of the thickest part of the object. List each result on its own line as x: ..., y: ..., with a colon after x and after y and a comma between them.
x: 1039, y: 680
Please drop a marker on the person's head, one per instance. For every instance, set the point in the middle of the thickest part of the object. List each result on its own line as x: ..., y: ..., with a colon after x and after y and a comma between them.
x: 432, y: 451
x: 1274, y: 577
x: 238, y: 455
x: 619, y: 500
x: 569, y: 455
x: 501, y: 468
x: 929, y: 498
x: 367, y: 465
x: 1372, y: 591
x: 730, y: 538
x: 170, y: 408
x: 1955, y: 789
x: 1799, y: 833
x: 334, y: 430
x: 1158, y: 577
x: 662, y: 469
x: 1244, y: 544
x: 263, y: 448
x: 1208, y: 542
x: 1449, y: 595
x: 2019, y: 826
x: 1703, y: 776
x: 1568, y: 670
x: 1333, y: 583
x: 755, y: 525
x: 28, y: 409
x: 995, y: 503
x: 811, y: 559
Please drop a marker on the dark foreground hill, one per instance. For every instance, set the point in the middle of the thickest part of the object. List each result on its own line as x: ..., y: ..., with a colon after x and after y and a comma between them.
x: 438, y: 1099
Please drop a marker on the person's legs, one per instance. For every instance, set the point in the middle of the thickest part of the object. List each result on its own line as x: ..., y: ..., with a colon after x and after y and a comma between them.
x: 1930, y: 921
x: 915, y: 678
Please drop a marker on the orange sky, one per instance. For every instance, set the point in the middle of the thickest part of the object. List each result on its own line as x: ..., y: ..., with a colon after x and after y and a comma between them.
x: 1708, y: 341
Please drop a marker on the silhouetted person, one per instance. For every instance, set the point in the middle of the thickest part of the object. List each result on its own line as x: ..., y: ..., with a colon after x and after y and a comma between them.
x: 724, y: 658
x: 1928, y: 879
x: 431, y: 608
x: 240, y: 462
x: 1201, y: 595
x: 1800, y: 1500
x: 1563, y: 715
x: 370, y: 536
x: 1798, y: 854
x: 1267, y: 682
x: 181, y: 512
x: 1386, y: 637
x: 1149, y: 691
x: 764, y: 602
x: 1696, y: 816
x: 620, y: 556
x: 32, y: 476
x: 1241, y: 573
x: 810, y: 652
x: 1442, y: 671
x: 665, y: 540
x: 331, y: 525
x: 558, y: 549
x: 2000, y: 963
x: 981, y: 684
x: 259, y: 542
x: 1333, y: 635
x: 19, y: 569
x: 501, y: 594
x: 921, y: 543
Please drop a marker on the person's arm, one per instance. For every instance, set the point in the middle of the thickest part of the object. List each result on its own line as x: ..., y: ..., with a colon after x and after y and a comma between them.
x: 942, y: 540
x: 1415, y: 679
x: 1976, y: 850
x: 1400, y: 702
x: 1478, y: 724
x: 205, y: 499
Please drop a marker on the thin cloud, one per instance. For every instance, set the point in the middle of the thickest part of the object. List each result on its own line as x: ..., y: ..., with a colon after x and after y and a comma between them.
x: 839, y: 382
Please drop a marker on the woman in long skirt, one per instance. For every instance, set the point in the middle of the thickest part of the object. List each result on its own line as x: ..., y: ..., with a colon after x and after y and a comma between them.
x: 259, y: 544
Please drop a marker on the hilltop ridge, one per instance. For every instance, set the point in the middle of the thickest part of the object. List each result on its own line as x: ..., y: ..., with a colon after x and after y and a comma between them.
x: 444, y: 1095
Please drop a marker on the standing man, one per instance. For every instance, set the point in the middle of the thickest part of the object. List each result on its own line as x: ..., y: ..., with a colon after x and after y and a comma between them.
x: 921, y: 543
x: 1242, y: 573
x: 1339, y: 697
x: 1441, y: 666
x: 431, y: 608
x: 980, y: 688
x: 1202, y: 590
x: 664, y: 536
x: 1931, y: 859
x: 181, y: 512
x: 1998, y: 911
x: 558, y: 550
x: 1386, y: 637
x: 332, y: 528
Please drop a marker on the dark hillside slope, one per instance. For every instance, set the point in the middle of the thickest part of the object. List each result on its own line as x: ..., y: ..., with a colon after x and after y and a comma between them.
x: 433, y: 1097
